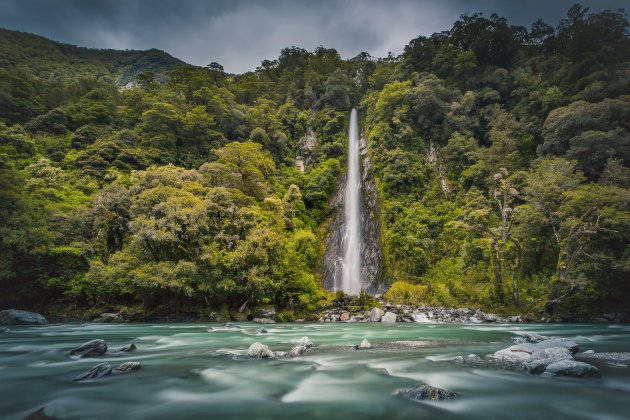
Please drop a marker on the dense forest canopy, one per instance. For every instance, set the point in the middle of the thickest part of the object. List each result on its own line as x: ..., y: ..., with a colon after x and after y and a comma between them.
x: 501, y: 155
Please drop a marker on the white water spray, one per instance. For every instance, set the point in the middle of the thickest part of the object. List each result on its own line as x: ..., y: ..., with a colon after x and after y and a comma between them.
x: 351, y: 276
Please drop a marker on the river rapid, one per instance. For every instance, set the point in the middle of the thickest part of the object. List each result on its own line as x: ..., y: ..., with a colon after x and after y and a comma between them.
x: 198, y: 371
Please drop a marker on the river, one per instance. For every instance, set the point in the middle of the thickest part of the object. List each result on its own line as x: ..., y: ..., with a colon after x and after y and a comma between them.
x: 188, y: 371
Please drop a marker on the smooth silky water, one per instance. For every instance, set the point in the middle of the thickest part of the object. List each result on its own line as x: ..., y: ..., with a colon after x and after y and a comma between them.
x: 351, y: 275
x: 188, y: 372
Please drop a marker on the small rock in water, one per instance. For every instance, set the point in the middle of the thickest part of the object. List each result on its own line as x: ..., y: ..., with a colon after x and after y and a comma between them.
x: 264, y: 321
x: 531, y: 338
x: 128, y: 367
x: 128, y: 348
x: 298, y: 351
x: 571, y: 368
x: 458, y: 359
x: 426, y: 393
x: 259, y: 351
x: 345, y: 317
x: 364, y: 345
x: 389, y: 317
x: 5, y: 330
x: 589, y: 352
x: 407, y: 344
x: 261, y: 331
x: 98, y: 371
x: 281, y: 354
x: 92, y: 348
x: 376, y: 314
x: 17, y: 317
x: 306, y: 342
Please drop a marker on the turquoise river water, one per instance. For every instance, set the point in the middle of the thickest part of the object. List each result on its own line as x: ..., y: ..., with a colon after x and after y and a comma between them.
x: 189, y: 371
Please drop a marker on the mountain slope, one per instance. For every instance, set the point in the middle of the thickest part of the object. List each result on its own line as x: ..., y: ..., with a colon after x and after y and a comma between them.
x: 50, y: 60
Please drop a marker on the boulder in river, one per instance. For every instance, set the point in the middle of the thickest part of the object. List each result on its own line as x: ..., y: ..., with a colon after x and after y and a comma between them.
x: 17, y: 317
x: 543, y: 355
x: 364, y: 345
x: 128, y: 367
x: 618, y: 359
x: 128, y: 348
x: 298, y: 351
x: 92, y: 348
x: 426, y: 393
x: 389, y: 317
x: 306, y: 342
x: 376, y: 314
x: 570, y: 367
x: 263, y: 321
x: 259, y: 351
x: 97, y: 371
x: 4, y: 330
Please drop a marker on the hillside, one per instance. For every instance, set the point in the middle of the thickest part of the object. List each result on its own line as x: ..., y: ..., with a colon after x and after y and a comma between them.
x: 50, y: 60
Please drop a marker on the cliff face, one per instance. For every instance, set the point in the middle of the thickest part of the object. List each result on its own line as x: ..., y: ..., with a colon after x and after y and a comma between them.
x: 371, y: 253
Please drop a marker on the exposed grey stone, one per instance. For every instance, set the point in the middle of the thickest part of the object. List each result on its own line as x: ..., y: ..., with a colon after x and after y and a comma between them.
x: 18, y: 317
x: 389, y: 317
x: 128, y: 348
x: 376, y: 314
x: 264, y: 321
x: 259, y: 351
x: 97, y: 371
x: 128, y: 367
x: 92, y: 348
x: 571, y: 368
x: 606, y: 356
x: 281, y: 354
x: 364, y: 345
x: 4, y: 330
x: 530, y: 338
x: 306, y: 342
x: 426, y: 393
x: 407, y: 344
x: 298, y: 351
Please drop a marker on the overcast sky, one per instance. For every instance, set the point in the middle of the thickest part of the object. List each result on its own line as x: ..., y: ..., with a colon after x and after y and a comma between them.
x: 239, y: 34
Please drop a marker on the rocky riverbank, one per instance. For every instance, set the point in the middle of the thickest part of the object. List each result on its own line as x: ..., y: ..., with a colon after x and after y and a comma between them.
x: 383, y: 311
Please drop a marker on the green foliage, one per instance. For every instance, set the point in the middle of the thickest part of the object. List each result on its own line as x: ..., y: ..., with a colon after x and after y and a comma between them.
x: 500, y: 155
x: 403, y: 293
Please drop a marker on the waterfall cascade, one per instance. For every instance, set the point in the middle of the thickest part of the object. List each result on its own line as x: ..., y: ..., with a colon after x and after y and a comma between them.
x: 352, y: 260
x: 350, y: 281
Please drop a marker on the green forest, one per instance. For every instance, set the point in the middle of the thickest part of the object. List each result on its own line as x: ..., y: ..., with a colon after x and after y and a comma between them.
x: 132, y: 182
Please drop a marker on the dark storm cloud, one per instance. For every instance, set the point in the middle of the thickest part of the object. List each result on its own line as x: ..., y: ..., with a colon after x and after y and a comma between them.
x: 240, y: 33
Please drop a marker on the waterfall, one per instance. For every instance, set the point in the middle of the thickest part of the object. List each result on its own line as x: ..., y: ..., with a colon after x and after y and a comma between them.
x: 351, y: 273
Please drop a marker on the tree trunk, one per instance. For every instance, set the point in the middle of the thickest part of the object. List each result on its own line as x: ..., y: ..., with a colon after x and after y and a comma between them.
x: 498, y: 270
x: 515, y: 273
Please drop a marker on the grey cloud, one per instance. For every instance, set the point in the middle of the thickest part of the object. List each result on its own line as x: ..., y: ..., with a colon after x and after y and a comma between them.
x: 239, y: 33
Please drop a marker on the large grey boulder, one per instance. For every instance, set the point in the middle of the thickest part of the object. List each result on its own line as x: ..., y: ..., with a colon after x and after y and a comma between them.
x: 259, y: 351
x: 92, y: 348
x: 376, y: 314
x: 17, y: 317
x: 97, y: 371
x: 571, y: 368
x: 389, y: 317
x: 426, y: 393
